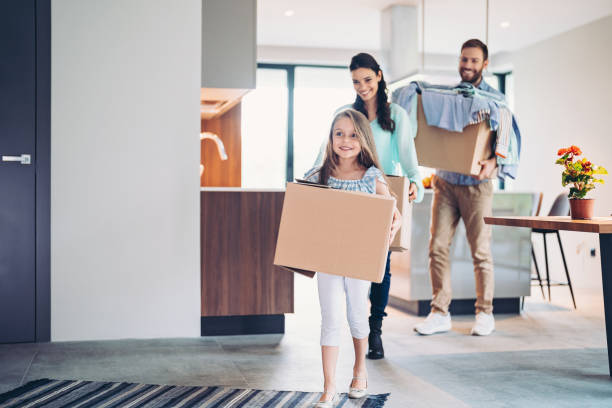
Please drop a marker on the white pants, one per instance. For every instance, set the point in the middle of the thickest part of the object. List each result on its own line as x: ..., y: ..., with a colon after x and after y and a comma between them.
x: 332, y: 290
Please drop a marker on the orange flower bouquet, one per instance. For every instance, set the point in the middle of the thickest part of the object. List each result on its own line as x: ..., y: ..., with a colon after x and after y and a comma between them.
x: 581, y: 175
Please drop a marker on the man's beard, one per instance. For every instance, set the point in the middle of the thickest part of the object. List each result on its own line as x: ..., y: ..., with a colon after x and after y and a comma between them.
x: 477, y: 76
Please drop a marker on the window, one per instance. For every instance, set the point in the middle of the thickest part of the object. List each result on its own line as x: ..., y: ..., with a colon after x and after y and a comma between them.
x: 509, y: 89
x: 506, y: 86
x: 264, y: 131
x: 287, y: 118
x: 319, y: 92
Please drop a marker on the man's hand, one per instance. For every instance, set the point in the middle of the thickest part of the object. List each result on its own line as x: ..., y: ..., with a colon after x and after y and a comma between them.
x: 412, y: 192
x: 487, y: 169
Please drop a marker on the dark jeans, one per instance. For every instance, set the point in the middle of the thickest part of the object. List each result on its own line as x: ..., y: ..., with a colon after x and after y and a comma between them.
x: 379, y: 293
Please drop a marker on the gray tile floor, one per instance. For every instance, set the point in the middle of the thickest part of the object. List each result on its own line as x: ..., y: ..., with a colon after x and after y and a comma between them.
x: 550, y: 355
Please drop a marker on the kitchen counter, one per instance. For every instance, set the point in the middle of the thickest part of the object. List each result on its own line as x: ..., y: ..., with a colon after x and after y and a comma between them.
x: 242, y: 189
x: 240, y: 284
x: 282, y: 190
x: 410, y: 282
x: 242, y: 291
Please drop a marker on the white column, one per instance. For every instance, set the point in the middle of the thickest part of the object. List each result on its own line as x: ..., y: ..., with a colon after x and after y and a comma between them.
x: 399, y: 41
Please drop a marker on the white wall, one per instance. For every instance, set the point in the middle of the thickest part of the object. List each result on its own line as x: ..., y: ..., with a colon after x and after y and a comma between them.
x: 562, y: 97
x: 125, y: 161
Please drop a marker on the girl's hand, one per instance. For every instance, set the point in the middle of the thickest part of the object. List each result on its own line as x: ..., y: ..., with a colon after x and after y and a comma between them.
x: 412, y: 192
x: 396, y: 224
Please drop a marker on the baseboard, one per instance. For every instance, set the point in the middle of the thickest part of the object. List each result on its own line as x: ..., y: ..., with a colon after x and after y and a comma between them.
x: 457, y: 307
x: 235, y: 325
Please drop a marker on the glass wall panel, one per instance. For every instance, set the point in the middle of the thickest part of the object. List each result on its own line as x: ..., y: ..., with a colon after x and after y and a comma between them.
x: 264, y: 131
x: 319, y: 92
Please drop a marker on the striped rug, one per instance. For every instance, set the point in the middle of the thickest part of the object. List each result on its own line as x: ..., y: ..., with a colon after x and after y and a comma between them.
x: 87, y: 394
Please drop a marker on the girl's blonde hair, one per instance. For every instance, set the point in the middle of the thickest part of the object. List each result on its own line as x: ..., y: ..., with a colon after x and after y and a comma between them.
x: 367, y: 157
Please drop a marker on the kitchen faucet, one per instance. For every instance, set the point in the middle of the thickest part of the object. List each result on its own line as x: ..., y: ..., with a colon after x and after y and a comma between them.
x: 219, y: 143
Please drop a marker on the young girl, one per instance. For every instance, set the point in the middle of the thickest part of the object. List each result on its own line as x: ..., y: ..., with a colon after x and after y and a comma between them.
x: 350, y: 163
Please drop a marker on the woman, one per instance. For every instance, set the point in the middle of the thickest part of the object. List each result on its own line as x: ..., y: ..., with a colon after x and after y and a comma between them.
x: 397, y: 156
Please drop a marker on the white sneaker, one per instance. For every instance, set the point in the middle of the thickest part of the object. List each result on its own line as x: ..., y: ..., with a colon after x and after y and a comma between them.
x: 485, y: 324
x: 434, y: 323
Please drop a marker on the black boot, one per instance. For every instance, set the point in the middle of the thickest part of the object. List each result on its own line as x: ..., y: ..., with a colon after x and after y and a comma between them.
x: 375, y: 346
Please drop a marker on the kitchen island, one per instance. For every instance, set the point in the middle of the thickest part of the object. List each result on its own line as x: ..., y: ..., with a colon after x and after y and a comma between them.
x: 242, y: 291
x: 410, y: 281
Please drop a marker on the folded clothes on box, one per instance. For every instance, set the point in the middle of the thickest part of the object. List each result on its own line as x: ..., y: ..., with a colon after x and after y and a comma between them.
x: 455, y: 107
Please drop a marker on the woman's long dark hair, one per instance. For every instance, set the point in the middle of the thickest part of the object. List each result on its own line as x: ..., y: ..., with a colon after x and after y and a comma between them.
x: 383, y: 112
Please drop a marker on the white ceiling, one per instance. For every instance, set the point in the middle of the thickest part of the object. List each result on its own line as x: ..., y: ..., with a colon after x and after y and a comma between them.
x: 355, y: 24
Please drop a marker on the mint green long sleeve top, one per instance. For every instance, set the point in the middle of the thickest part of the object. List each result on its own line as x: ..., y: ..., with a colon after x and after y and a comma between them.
x: 396, y: 151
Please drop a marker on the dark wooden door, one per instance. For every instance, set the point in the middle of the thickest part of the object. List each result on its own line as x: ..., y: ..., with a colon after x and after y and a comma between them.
x: 17, y: 172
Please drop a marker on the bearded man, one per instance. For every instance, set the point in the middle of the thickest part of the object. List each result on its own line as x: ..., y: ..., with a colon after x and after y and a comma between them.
x: 470, y: 198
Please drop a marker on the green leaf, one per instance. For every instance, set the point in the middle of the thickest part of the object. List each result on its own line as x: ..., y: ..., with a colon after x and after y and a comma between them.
x: 600, y: 170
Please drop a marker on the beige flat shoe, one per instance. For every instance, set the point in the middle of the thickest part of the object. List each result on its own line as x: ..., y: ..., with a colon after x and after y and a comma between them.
x: 355, y: 393
x: 328, y: 403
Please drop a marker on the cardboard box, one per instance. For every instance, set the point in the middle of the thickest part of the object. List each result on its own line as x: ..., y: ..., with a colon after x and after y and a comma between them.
x: 400, y: 186
x: 453, y: 151
x: 334, y: 231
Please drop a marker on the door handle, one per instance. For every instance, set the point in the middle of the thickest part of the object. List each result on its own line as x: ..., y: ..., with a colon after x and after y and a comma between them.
x: 23, y: 159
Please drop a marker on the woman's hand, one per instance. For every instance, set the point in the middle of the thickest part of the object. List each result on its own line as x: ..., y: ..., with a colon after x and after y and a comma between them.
x: 396, y: 224
x: 412, y: 192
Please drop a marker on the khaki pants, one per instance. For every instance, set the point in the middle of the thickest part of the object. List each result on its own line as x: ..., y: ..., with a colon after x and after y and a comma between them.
x: 472, y: 203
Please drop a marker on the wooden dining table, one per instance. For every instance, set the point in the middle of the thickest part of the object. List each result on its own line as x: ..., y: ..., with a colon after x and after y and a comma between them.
x: 597, y: 225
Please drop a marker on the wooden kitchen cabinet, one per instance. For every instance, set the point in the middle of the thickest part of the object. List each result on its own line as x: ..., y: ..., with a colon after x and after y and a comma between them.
x: 239, y: 281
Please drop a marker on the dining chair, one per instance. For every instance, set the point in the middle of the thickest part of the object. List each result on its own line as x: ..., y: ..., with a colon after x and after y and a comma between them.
x: 560, y: 207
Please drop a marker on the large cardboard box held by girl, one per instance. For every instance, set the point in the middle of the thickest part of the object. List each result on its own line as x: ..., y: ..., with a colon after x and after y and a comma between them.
x: 338, y: 232
x: 453, y: 151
